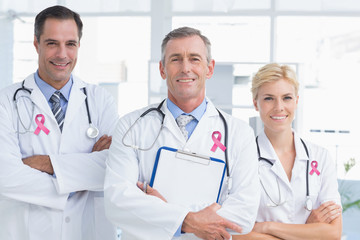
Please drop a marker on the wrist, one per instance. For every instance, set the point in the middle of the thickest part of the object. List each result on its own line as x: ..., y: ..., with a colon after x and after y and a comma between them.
x: 187, y: 225
x: 269, y: 227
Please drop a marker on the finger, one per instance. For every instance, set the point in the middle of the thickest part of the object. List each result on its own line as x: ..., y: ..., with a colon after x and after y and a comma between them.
x: 326, y: 205
x: 232, y: 226
x: 139, y: 184
x: 214, y: 207
x: 98, y: 143
x: 219, y: 235
x: 333, y: 214
x: 103, y: 143
x: 223, y: 234
x: 107, y: 144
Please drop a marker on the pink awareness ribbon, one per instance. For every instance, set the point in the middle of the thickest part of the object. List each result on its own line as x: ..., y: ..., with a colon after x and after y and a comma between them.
x: 217, y: 142
x: 40, y: 125
x: 314, y: 165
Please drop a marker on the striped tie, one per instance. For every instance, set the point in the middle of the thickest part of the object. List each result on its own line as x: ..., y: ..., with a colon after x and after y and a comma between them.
x: 56, y: 109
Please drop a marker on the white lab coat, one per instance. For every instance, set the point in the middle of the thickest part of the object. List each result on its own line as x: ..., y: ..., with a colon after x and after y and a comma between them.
x: 322, y: 188
x: 35, y: 205
x: 141, y: 216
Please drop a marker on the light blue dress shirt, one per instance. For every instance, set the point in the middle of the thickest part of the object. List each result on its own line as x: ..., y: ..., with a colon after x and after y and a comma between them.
x: 197, y: 113
x: 48, y: 91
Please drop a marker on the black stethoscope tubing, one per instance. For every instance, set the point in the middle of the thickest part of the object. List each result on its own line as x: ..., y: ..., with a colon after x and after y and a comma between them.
x: 158, y: 109
x: 307, y: 163
x: 23, y: 88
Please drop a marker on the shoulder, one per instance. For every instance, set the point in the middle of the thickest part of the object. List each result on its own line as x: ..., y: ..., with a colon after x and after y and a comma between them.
x: 91, y: 89
x: 236, y: 124
x: 7, y: 93
x: 132, y: 116
x: 318, y: 153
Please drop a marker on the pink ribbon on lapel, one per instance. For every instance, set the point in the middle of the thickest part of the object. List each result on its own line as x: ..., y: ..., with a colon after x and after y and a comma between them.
x: 314, y: 165
x: 40, y: 125
x: 217, y: 142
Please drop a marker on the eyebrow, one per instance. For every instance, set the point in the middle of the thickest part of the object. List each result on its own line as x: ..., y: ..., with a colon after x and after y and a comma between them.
x: 286, y: 94
x: 179, y: 55
x: 53, y: 40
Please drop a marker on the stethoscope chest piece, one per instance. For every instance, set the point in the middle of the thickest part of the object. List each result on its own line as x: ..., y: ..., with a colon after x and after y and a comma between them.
x: 92, y: 132
x: 308, y: 204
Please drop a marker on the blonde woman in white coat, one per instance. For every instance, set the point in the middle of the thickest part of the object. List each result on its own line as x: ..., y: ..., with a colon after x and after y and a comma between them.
x: 285, y: 162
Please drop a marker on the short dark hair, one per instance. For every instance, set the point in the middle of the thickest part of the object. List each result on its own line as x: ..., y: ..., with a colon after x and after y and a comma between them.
x: 185, y: 32
x: 56, y: 12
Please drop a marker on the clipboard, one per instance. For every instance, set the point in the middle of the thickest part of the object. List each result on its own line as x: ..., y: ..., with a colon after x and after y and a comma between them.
x: 186, y: 178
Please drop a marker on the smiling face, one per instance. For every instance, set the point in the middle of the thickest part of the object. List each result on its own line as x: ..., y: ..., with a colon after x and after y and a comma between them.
x: 57, y: 50
x: 276, y: 102
x: 186, y: 69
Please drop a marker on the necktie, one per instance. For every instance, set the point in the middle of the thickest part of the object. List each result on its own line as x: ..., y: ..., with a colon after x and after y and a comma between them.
x: 56, y: 109
x: 182, y: 121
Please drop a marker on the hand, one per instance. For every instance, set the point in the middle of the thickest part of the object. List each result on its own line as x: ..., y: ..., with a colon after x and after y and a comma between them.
x: 207, y: 224
x: 326, y: 213
x: 103, y: 143
x: 40, y: 162
x: 150, y: 191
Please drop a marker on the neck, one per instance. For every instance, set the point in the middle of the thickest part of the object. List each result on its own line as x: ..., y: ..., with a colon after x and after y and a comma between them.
x: 188, y: 105
x: 281, y: 141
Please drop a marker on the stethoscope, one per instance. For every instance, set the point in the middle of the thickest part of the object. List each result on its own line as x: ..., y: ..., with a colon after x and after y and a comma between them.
x: 308, y: 203
x: 91, y: 132
x: 158, y: 109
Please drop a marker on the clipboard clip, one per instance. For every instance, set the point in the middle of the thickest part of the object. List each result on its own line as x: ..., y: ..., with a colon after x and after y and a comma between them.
x: 193, y: 157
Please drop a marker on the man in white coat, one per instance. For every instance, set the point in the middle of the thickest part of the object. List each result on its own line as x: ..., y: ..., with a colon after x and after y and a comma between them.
x: 141, y: 211
x: 52, y: 164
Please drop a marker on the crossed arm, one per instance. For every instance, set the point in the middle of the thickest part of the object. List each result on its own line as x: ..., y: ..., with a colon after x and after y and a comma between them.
x: 324, y: 222
x: 206, y: 223
x: 43, y: 163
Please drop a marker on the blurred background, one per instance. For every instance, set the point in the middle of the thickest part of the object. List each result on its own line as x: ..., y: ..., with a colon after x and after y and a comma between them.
x: 120, y: 50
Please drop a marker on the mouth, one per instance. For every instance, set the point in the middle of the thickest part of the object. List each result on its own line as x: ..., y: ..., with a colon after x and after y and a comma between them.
x: 60, y: 64
x: 278, y: 117
x: 185, y: 79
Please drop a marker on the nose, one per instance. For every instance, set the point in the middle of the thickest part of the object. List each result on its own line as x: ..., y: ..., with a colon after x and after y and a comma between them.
x: 279, y: 105
x: 61, y: 51
x: 186, y: 66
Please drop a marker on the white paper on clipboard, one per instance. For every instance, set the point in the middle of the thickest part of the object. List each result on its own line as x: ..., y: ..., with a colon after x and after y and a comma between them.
x: 187, y: 179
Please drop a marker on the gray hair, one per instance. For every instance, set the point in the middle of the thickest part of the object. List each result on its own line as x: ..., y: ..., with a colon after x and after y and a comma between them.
x: 181, y: 33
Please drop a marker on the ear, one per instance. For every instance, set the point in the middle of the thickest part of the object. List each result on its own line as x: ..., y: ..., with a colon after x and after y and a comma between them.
x: 211, y: 67
x: 162, y: 70
x: 36, y: 44
x: 255, y: 104
x: 297, y: 100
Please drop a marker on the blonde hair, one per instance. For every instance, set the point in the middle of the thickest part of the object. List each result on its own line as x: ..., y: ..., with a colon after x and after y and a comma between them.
x: 273, y: 72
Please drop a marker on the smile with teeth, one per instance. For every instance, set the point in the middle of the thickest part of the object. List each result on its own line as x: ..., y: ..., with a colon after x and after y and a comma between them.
x: 60, y: 64
x: 278, y: 117
x: 185, y: 80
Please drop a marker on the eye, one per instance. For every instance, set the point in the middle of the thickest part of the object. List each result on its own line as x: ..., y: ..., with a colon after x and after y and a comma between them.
x: 287, y: 98
x: 268, y: 98
x: 72, y: 44
x: 50, y: 43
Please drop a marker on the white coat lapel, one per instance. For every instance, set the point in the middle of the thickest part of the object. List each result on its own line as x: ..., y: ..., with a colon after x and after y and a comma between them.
x: 268, y: 152
x: 76, y: 99
x: 170, y: 123
x: 39, y: 99
x: 203, y: 125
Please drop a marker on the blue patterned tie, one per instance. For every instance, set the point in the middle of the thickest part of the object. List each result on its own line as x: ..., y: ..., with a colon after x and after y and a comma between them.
x: 56, y: 109
x: 182, y: 121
